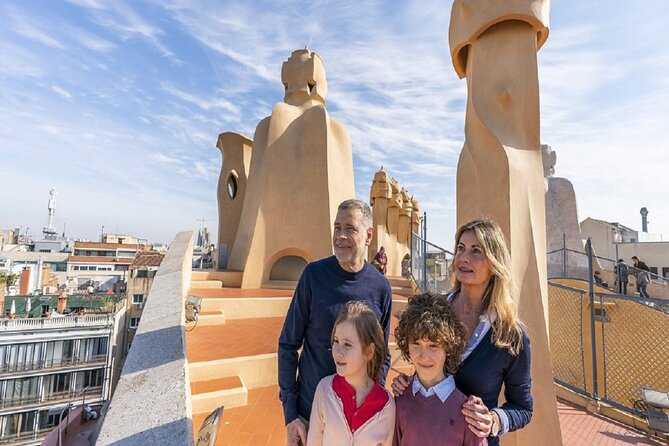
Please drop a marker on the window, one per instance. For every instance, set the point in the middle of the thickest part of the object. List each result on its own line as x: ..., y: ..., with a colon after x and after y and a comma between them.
x: 57, y: 383
x: 91, y: 378
x: 138, y: 300
x: 232, y: 186
x: 134, y: 322
x: 142, y: 273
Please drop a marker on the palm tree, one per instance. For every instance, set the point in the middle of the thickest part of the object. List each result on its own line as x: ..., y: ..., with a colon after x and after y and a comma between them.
x: 6, y: 280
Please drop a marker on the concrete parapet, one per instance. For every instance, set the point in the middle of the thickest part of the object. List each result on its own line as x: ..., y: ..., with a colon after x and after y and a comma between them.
x: 152, y: 402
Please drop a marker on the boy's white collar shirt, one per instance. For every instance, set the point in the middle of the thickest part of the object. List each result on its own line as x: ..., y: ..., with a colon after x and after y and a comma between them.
x: 443, y: 389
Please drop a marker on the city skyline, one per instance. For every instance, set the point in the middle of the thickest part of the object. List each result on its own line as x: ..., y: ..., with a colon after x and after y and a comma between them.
x: 119, y: 105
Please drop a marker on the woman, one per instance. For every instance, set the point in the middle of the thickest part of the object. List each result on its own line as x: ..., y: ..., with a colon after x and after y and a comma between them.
x: 381, y: 260
x: 498, y: 349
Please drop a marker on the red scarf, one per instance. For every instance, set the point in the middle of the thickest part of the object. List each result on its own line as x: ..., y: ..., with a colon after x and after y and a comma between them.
x: 357, y: 416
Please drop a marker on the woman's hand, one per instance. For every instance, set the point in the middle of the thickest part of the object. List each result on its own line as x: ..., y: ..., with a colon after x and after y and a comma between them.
x: 400, y: 384
x: 479, y: 419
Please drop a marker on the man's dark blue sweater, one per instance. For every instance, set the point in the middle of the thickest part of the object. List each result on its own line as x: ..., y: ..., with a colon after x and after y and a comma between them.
x: 322, y: 291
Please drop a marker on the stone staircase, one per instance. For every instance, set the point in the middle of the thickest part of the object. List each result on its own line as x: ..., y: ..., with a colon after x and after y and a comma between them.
x: 203, y: 279
x: 220, y: 378
x: 402, y: 286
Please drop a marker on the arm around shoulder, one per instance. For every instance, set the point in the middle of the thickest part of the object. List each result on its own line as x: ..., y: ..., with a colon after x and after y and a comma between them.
x: 518, y: 389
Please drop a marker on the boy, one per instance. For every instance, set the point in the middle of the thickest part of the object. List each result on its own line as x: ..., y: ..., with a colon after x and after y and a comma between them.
x: 430, y: 411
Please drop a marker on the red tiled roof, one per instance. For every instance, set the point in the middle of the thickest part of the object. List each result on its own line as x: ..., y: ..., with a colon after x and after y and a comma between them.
x: 147, y: 259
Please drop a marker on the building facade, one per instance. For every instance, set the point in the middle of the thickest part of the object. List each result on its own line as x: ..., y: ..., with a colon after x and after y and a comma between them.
x: 48, y: 364
x: 103, y: 266
x: 142, y: 271
x: 614, y: 241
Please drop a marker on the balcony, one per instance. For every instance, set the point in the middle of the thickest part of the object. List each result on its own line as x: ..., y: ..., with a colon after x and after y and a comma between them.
x: 56, y: 322
x: 36, y: 401
x: 25, y: 438
x: 38, y: 367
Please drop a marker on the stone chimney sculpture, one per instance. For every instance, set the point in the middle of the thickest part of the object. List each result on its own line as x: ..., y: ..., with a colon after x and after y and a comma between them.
x: 392, y: 213
x: 278, y: 193
x: 493, y: 45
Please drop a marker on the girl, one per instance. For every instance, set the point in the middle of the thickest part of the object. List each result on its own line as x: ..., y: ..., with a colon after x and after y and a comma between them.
x: 351, y: 407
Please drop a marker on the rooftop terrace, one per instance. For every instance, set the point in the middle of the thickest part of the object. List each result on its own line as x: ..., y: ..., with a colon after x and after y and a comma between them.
x: 229, y: 359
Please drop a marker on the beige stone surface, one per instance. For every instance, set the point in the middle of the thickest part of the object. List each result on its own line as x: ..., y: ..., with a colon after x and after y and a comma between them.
x: 392, y: 212
x: 562, y: 227
x: 232, y: 182
x: 494, y: 44
x: 300, y: 169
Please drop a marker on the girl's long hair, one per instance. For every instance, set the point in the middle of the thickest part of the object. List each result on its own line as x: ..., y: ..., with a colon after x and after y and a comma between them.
x: 498, y: 297
x: 369, y: 331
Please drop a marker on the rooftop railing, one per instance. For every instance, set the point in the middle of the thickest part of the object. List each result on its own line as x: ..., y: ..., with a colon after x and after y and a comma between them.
x: 43, y: 364
x: 55, y: 322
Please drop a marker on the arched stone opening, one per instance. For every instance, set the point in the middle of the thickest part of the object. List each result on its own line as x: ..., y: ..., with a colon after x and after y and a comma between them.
x: 287, y: 268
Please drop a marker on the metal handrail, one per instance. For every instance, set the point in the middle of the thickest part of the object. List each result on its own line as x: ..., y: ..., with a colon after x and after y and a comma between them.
x: 48, y: 364
x: 36, y: 399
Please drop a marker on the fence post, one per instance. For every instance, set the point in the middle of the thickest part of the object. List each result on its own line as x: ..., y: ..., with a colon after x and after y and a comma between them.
x: 564, y: 255
x: 591, y: 295
x: 424, y: 252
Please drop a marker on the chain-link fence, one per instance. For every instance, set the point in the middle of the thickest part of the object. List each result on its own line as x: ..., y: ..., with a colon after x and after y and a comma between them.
x: 635, y: 352
x: 565, y: 306
x: 607, y: 345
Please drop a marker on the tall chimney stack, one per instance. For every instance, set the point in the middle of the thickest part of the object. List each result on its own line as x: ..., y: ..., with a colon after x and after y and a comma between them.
x: 644, y: 219
x: 62, y: 302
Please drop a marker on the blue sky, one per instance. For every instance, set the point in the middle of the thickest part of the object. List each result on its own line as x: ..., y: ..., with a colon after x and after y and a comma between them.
x: 119, y: 104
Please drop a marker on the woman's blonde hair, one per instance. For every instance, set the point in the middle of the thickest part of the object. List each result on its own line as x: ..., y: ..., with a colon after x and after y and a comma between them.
x: 369, y: 331
x: 498, y: 296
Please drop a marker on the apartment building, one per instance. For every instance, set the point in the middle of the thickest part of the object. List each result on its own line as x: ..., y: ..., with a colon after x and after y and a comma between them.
x: 142, y: 271
x: 50, y: 363
x: 104, y: 266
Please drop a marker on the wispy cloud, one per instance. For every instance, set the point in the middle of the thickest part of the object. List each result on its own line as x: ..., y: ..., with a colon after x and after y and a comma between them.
x: 149, y: 85
x: 23, y: 26
x: 61, y: 92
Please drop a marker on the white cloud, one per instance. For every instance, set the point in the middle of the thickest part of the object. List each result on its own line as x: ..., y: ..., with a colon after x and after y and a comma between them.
x: 23, y: 26
x: 63, y: 93
x: 156, y: 81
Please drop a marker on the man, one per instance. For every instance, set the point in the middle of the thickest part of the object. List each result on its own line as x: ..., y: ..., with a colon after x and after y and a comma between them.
x: 642, y: 276
x: 622, y: 276
x: 323, y: 289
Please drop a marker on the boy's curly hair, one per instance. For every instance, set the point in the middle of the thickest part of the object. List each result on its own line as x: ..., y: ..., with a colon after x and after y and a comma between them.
x: 430, y: 316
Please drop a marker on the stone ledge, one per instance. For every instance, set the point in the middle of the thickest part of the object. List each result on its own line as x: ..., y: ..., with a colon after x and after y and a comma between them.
x: 152, y: 402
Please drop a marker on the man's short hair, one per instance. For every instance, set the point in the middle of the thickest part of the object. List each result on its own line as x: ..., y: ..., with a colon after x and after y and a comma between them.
x: 635, y: 258
x: 360, y: 205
